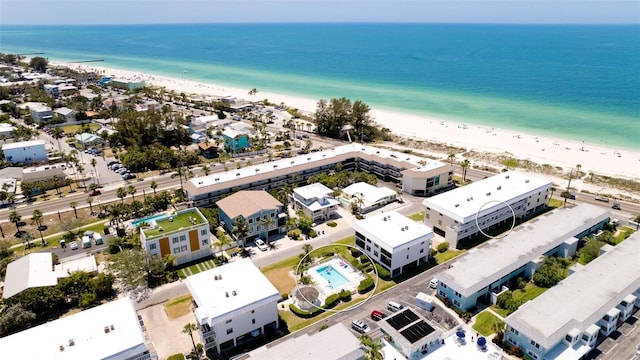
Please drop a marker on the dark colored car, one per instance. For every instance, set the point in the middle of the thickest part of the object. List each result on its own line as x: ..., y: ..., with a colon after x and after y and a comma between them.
x: 95, y: 192
x: 378, y: 315
x: 616, y: 207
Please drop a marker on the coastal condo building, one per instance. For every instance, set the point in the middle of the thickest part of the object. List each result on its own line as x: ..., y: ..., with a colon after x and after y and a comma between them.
x: 184, y: 235
x: 413, y: 174
x: 488, y: 271
x: 233, y: 304
x: 110, y: 332
x: 564, y: 322
x: 466, y: 212
x: 394, y: 241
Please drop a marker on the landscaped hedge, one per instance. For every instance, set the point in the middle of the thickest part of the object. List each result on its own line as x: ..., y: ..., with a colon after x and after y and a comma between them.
x: 366, y: 285
x: 332, y: 224
x: 355, y: 252
x: 345, y: 295
x: 304, y: 314
x: 176, y: 357
x: 442, y: 247
x: 382, y: 272
x: 331, y: 300
x: 364, y: 259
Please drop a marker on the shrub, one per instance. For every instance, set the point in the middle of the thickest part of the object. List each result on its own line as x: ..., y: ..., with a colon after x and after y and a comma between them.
x: 331, y: 300
x: 329, y: 254
x: 355, y: 252
x: 176, y: 357
x: 313, y: 233
x: 294, y: 234
x: 442, y: 247
x: 345, y: 295
x: 521, y: 283
x: 433, y: 252
x: 366, y: 285
x: 284, y: 297
x: 382, y: 272
x: 364, y: 259
x: 323, y: 327
x: 306, y: 280
x: 304, y: 314
x: 332, y: 224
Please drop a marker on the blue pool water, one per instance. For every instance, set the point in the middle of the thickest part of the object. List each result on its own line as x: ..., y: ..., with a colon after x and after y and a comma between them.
x: 135, y: 223
x: 334, y: 277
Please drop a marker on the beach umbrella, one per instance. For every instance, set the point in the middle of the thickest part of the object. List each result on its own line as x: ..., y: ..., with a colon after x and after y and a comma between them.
x: 460, y: 334
x: 482, y: 341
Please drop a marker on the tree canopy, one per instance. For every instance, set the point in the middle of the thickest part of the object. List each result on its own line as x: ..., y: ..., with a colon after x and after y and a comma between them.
x: 334, y: 117
x: 39, y: 64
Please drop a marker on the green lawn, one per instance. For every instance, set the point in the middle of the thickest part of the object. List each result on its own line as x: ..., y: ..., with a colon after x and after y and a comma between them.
x: 178, y: 221
x: 530, y: 292
x: 419, y: 216
x: 196, y: 268
x: 486, y: 322
x: 555, y: 203
x: 623, y: 233
x: 72, y: 129
x: 447, y: 255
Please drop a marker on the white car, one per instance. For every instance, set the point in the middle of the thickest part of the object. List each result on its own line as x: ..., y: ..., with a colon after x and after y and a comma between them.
x: 261, y: 245
x: 360, y: 326
x: 73, y: 245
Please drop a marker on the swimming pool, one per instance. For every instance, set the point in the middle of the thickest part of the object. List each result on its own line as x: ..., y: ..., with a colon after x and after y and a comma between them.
x: 332, y: 276
x: 135, y: 223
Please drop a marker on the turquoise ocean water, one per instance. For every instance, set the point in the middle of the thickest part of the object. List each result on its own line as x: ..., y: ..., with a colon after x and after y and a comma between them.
x: 574, y: 82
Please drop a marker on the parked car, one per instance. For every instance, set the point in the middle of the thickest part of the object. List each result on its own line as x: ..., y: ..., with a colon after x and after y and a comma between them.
x: 112, y: 162
x: 360, y: 326
x: 127, y: 176
x: 377, y: 315
x: 616, y: 206
x: 261, y: 245
x: 95, y: 192
x: 122, y: 170
x: 433, y: 283
x: 602, y: 198
x: 73, y: 245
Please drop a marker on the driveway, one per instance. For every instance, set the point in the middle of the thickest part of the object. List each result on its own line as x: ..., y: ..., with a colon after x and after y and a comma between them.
x: 166, y: 334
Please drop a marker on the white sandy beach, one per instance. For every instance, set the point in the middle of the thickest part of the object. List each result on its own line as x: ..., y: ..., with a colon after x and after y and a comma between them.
x: 542, y: 150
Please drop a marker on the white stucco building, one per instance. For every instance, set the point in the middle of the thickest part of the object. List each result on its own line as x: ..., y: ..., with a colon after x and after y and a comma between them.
x: 25, y: 151
x: 563, y: 322
x: 316, y: 201
x: 368, y: 197
x: 463, y: 213
x: 234, y: 303
x: 40, y: 112
x: 394, y: 241
x: 110, y: 332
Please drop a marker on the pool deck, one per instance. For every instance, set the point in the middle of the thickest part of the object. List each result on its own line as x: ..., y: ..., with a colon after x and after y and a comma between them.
x: 352, y: 275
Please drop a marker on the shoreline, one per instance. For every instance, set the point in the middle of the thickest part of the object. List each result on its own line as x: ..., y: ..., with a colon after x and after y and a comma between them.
x: 558, y: 152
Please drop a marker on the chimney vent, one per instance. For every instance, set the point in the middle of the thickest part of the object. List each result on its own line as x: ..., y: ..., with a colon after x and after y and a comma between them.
x: 71, y: 342
x: 234, y: 293
x: 61, y: 347
x: 106, y: 330
x: 226, y: 293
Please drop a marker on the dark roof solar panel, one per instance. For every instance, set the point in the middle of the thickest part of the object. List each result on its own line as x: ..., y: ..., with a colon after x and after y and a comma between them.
x: 400, y: 320
x: 417, y: 331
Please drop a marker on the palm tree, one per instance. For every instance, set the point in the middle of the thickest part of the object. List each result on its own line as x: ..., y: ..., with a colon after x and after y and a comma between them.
x: 553, y: 189
x: 80, y: 170
x: 240, y: 228
x: 73, y: 205
x: 154, y: 186
x: 374, y: 348
x: 578, y: 167
x: 15, y: 218
x: 122, y: 193
x: 189, y: 329
x: 464, y: 165
x: 90, y: 202
x: 56, y: 183
x: 93, y: 163
x: 26, y: 239
x: 451, y: 157
x: 132, y: 191
x: 206, y: 170
x: 36, y: 219
x: 56, y: 133
x: 266, y: 223
x: 253, y: 93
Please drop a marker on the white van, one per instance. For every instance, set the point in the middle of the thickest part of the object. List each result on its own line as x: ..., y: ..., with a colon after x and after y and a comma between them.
x: 86, y: 242
x: 394, y: 306
x: 433, y: 283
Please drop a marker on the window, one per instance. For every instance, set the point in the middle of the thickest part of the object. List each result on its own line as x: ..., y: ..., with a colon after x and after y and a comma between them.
x: 375, y: 253
x: 228, y: 321
x: 205, y: 242
x: 183, y: 238
x: 250, y: 221
x: 568, y: 338
x: 458, y: 294
x: 203, y: 232
x: 368, y: 248
x: 585, y: 337
x: 229, y: 330
x: 515, y: 331
x: 253, y: 321
x: 175, y: 240
x: 183, y: 248
x: 176, y: 250
x: 456, y: 303
x: 273, y: 214
x: 152, y: 246
x: 421, y: 251
x: 253, y: 311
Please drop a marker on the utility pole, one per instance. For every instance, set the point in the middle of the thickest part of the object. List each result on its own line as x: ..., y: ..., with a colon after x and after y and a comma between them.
x: 568, y: 187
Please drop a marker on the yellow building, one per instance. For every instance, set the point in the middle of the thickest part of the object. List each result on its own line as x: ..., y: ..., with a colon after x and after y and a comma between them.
x: 183, y: 235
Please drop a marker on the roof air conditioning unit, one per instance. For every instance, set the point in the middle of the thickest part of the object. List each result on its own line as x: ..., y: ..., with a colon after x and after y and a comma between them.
x: 226, y: 293
x: 234, y: 293
x: 406, y: 227
x: 526, y: 181
x: 71, y: 342
x: 61, y: 347
x: 489, y: 194
x: 112, y: 327
x: 506, y: 177
x: 499, y: 187
x: 401, y: 229
x: 106, y: 330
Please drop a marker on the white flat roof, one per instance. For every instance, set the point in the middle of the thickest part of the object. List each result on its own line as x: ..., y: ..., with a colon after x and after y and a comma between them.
x: 23, y: 144
x: 86, y: 328
x: 33, y: 270
x: 241, y: 276
x: 371, y: 194
x: 310, y: 158
x: 334, y: 342
x: 393, y: 232
x: 497, y: 258
x: 315, y: 190
x: 582, y: 298
x: 464, y: 202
